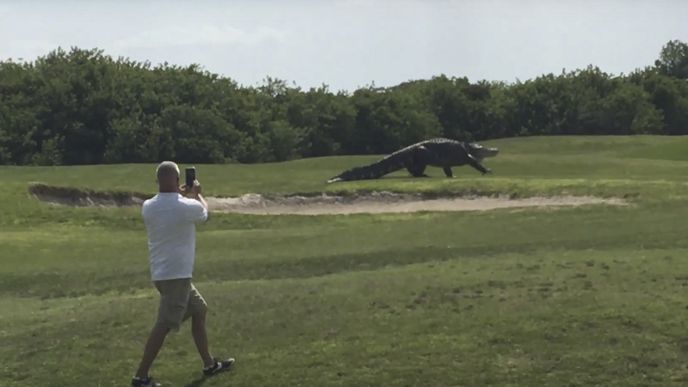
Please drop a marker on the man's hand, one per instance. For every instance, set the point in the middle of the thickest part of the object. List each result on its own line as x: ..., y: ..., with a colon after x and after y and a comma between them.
x: 192, y: 192
x: 196, y: 189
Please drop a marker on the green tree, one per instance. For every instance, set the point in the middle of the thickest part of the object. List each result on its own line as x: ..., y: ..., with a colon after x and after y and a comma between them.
x: 198, y: 135
x: 81, y: 106
x: 673, y: 59
x: 670, y: 96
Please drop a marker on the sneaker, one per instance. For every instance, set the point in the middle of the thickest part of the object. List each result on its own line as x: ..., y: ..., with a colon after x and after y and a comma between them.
x: 219, y: 366
x: 144, y: 382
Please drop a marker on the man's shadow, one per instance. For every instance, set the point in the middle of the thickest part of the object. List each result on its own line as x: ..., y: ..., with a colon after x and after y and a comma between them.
x: 202, y: 379
x: 198, y: 382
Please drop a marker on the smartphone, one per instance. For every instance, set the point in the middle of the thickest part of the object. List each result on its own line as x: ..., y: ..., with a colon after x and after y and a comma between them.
x: 190, y: 174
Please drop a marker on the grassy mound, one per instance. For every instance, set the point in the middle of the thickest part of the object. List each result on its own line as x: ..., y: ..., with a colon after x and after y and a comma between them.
x: 579, y: 296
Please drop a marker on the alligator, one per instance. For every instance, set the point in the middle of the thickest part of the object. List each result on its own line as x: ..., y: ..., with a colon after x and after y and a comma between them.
x: 438, y: 152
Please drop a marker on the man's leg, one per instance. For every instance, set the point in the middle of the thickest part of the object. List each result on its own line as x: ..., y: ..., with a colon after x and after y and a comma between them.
x: 197, y: 309
x: 174, y: 296
x: 200, y: 337
x: 153, y: 345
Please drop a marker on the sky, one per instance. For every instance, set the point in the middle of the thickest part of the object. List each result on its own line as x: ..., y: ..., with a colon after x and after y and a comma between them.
x: 347, y: 44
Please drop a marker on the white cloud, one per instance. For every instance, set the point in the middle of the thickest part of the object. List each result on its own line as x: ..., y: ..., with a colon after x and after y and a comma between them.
x: 170, y: 36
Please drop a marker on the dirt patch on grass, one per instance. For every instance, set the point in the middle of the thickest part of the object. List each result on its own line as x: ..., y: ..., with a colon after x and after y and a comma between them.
x: 370, y: 203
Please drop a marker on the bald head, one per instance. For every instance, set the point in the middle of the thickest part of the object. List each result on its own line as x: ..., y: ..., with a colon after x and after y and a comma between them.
x: 167, y: 174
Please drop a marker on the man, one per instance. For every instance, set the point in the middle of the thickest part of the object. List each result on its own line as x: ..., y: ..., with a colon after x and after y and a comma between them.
x: 170, y: 222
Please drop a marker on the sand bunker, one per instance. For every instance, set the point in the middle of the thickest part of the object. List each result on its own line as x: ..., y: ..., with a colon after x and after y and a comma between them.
x: 372, y: 203
x: 384, y: 202
x: 84, y: 198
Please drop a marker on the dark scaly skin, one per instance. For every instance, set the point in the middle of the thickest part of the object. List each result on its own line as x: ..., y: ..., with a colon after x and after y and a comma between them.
x: 438, y: 152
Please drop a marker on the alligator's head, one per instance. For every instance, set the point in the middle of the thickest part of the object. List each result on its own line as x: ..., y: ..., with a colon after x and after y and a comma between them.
x: 480, y: 152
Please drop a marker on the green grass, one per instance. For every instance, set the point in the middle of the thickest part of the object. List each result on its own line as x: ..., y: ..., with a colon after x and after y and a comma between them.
x: 568, y: 297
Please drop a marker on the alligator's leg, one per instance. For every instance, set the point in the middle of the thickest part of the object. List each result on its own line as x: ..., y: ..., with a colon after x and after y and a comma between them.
x: 476, y: 164
x: 447, y: 171
x: 418, y: 161
x: 417, y: 170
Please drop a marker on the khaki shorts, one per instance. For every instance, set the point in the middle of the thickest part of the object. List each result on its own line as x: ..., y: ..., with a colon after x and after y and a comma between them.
x: 179, y: 300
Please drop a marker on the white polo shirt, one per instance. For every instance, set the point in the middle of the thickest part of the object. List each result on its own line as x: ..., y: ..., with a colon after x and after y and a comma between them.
x: 170, y: 222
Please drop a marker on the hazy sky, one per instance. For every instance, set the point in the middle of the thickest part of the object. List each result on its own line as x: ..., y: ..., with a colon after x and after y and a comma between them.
x: 351, y: 43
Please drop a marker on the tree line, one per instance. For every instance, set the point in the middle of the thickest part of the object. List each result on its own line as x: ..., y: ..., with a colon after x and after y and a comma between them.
x: 85, y: 107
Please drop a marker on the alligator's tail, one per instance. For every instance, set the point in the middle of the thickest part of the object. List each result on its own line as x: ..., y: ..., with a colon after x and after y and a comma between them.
x: 389, y: 164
